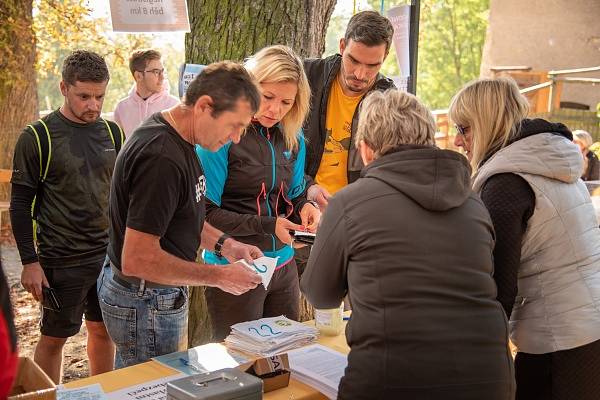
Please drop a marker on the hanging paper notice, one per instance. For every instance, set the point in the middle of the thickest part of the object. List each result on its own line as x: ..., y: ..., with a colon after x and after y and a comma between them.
x: 400, y: 18
x: 187, y: 73
x: 149, y: 16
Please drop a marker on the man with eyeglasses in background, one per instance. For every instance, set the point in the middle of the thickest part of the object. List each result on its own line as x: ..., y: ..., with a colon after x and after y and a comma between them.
x: 149, y: 94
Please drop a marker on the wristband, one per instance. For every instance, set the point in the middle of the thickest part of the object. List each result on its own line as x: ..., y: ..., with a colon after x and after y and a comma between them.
x: 219, y: 244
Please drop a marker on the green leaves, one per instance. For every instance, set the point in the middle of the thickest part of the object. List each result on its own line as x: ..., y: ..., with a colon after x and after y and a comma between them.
x: 66, y: 25
x: 451, y: 38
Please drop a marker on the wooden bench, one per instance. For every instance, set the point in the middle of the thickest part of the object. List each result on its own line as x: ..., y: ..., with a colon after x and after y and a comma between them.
x: 5, y: 175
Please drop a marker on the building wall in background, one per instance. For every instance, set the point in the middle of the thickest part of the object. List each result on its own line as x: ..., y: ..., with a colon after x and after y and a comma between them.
x: 546, y: 35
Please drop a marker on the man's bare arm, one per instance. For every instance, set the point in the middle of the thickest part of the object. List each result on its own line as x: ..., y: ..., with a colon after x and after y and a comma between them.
x: 143, y: 257
x: 231, y: 249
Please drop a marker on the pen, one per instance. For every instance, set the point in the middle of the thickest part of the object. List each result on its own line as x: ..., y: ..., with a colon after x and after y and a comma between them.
x: 189, y: 364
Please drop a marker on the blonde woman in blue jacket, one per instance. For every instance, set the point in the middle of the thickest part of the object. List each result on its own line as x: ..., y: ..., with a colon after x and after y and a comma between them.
x: 256, y: 190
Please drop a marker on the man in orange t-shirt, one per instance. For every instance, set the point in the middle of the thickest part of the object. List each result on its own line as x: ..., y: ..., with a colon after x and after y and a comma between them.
x: 339, y: 83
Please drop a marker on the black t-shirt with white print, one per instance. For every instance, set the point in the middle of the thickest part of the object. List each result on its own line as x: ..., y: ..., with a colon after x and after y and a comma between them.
x: 158, y: 187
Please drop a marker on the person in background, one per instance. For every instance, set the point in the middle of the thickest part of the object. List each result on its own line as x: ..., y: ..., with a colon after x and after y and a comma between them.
x: 591, y: 164
x: 256, y: 188
x: 547, y: 254
x: 411, y: 245
x: 70, y: 200
x: 338, y: 84
x: 149, y: 94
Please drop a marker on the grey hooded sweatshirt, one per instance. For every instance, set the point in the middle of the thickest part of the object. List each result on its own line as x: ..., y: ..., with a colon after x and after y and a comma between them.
x: 411, y: 245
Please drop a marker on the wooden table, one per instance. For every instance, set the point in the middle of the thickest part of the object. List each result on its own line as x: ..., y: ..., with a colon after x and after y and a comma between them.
x: 152, y: 370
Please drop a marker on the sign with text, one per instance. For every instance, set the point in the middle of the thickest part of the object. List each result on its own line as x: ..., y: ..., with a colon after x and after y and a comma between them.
x: 400, y: 18
x: 187, y: 73
x: 149, y: 16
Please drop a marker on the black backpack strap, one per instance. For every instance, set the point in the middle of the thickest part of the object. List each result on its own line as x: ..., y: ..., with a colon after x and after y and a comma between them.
x: 116, y: 134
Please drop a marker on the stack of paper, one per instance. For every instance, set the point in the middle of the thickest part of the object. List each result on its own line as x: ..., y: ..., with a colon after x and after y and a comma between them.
x: 270, y: 336
x: 319, y: 367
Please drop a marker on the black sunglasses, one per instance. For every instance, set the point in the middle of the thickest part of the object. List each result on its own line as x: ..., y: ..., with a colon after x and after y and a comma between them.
x: 462, y: 130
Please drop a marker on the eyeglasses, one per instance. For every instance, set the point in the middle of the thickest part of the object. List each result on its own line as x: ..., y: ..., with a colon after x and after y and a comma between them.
x: 157, y: 72
x: 462, y: 130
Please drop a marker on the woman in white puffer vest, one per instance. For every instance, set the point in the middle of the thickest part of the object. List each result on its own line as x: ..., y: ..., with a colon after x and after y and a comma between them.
x: 547, y: 254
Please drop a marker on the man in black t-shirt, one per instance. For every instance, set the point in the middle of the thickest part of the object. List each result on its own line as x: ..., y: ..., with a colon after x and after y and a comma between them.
x: 157, y: 217
x: 68, y: 180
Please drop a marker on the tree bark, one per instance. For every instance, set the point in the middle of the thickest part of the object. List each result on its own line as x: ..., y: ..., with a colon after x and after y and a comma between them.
x: 234, y: 30
x: 18, y: 90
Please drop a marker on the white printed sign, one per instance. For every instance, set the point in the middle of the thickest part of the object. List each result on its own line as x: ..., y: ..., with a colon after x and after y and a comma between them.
x: 187, y: 73
x: 400, y: 18
x: 149, y: 16
x: 153, y: 390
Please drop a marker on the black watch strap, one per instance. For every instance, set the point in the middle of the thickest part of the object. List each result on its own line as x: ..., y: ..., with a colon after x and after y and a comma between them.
x: 219, y: 244
x: 314, y: 204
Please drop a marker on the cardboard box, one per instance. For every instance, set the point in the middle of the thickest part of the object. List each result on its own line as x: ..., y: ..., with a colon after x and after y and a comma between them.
x: 32, y: 383
x: 274, y: 371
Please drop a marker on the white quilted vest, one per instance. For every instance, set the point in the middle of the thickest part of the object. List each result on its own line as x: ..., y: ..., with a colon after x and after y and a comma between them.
x: 558, y: 301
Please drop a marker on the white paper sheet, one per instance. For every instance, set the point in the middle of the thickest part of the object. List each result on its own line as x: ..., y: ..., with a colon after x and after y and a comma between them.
x: 264, y: 266
x: 318, y: 366
x: 153, y: 390
x: 91, y: 392
x: 206, y: 358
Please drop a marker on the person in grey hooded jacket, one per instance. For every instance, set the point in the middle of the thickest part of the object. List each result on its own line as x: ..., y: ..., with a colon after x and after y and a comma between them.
x: 411, y: 244
x: 547, y: 254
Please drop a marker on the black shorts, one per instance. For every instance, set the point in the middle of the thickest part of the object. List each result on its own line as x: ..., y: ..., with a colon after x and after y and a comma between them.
x: 75, y: 288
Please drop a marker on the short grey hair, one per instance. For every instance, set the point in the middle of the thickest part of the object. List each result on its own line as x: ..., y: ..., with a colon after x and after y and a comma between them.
x: 392, y: 118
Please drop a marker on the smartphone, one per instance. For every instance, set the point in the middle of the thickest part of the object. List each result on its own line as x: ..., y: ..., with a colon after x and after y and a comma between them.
x: 304, y: 237
x: 50, y: 301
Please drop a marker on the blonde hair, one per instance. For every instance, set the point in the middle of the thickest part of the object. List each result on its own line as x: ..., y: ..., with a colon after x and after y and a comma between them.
x: 584, y: 137
x: 493, y: 109
x: 276, y: 64
x: 393, y: 118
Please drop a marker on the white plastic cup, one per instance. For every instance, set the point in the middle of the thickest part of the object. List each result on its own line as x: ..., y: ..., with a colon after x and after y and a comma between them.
x: 330, y: 322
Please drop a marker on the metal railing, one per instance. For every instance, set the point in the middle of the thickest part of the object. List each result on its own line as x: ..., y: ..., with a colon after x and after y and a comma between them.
x: 556, y: 77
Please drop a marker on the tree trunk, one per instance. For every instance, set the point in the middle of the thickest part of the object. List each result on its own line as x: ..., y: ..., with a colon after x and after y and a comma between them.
x: 234, y: 30
x: 18, y: 91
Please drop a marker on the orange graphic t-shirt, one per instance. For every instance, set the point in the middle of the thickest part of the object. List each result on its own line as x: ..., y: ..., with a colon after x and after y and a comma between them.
x: 333, y: 170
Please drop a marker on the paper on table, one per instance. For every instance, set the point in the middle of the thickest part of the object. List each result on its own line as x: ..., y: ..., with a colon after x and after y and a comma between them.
x: 319, y: 367
x: 272, y: 329
x: 270, y: 336
x: 153, y: 390
x: 200, y: 359
x: 264, y: 266
x: 91, y: 392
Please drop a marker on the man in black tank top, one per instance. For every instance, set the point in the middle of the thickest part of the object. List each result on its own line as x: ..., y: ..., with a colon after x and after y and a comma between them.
x: 157, y: 217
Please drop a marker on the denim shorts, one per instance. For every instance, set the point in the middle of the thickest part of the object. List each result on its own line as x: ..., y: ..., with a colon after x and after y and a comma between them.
x: 142, y: 323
